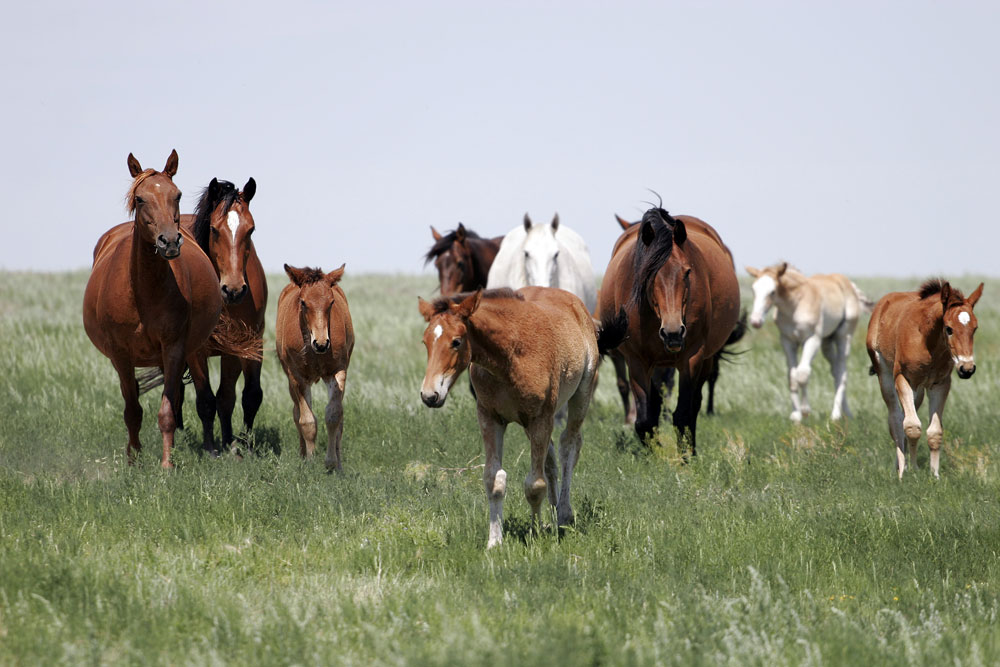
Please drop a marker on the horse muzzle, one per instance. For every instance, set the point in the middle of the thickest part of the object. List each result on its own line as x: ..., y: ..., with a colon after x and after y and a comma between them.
x: 433, y: 399
x: 966, y: 371
x: 169, y: 249
x: 673, y: 341
x: 320, y: 348
x: 231, y: 296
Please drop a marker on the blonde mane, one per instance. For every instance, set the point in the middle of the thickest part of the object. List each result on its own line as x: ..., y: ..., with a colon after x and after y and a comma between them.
x: 130, y: 195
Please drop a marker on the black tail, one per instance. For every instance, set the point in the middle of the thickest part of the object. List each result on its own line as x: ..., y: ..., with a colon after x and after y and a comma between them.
x: 612, y: 332
x: 735, y: 336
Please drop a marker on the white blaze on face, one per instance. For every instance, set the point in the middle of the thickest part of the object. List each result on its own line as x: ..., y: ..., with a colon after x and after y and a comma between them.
x: 964, y: 318
x: 438, y: 331
x: 233, y: 222
x: 763, y: 288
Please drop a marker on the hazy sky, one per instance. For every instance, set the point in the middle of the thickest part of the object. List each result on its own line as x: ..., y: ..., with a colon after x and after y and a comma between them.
x: 856, y: 137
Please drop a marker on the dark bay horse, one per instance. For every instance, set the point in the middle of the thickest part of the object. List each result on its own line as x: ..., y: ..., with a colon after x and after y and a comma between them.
x: 223, y: 226
x: 147, y: 302
x: 462, y: 259
x: 915, y: 340
x: 677, y: 282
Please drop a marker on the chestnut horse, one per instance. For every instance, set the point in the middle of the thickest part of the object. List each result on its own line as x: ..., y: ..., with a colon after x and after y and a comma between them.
x: 462, y: 259
x: 533, y: 351
x: 914, y: 341
x: 147, y: 303
x: 223, y: 225
x: 315, y: 338
x: 676, y: 280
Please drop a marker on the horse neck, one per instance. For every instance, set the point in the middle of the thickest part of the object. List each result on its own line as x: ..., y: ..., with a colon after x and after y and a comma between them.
x: 788, y: 294
x: 483, y: 253
x: 488, y: 330
x: 147, y: 270
x: 931, y: 326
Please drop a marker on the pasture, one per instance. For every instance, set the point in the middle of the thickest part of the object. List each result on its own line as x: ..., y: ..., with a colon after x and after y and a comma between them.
x: 779, y: 544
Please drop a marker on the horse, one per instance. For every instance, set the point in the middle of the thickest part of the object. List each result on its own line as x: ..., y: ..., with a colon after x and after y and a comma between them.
x: 676, y: 280
x: 462, y: 259
x: 222, y: 225
x: 818, y: 312
x: 315, y: 339
x: 149, y: 304
x: 547, y: 256
x: 532, y: 352
x: 915, y: 340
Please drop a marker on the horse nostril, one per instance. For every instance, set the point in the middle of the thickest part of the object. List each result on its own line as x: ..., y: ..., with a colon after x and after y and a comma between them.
x: 683, y: 330
x: 161, y: 240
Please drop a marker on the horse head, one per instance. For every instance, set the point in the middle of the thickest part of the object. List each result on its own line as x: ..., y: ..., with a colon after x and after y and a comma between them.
x: 447, y: 343
x: 316, y: 297
x: 223, y: 226
x: 764, y: 286
x: 960, y: 326
x: 541, y: 253
x: 663, y: 276
x: 155, y: 201
x: 453, y: 260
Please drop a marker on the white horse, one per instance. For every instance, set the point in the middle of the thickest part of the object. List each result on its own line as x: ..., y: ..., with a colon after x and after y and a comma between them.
x: 820, y: 311
x: 546, y: 256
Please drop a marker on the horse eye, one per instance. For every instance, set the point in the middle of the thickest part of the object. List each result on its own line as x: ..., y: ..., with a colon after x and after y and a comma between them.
x: 139, y: 201
x: 461, y: 265
x: 215, y: 232
x: 526, y: 254
x: 948, y: 330
x: 457, y: 343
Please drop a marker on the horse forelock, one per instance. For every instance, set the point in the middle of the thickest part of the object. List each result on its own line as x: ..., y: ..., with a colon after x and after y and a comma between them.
x: 649, y: 259
x: 136, y: 182
x: 444, y: 244
x: 227, y: 194
x: 311, y: 275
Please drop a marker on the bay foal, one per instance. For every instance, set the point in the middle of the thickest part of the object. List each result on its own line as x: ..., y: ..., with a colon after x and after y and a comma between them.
x: 915, y: 339
x: 532, y: 351
x: 315, y: 338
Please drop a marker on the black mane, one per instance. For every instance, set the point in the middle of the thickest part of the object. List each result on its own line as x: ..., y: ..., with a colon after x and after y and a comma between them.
x: 658, y: 226
x: 226, y: 193
x: 442, y: 303
x: 934, y: 286
x: 444, y: 245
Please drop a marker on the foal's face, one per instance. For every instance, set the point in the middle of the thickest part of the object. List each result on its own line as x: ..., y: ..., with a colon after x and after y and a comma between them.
x: 669, y: 301
x: 229, y: 244
x: 960, y: 326
x: 448, y: 350
x: 157, y: 207
x: 316, y: 297
x: 764, y: 286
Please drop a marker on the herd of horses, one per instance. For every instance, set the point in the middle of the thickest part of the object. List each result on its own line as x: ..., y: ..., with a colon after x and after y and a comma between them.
x: 521, y: 312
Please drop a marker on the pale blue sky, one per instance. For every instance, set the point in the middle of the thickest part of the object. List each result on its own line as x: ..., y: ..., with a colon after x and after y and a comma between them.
x: 843, y: 136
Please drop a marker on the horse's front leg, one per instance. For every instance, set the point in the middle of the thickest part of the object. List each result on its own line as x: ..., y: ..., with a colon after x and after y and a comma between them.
x: 253, y: 395
x: 936, y: 397
x: 335, y: 419
x: 133, y: 409
x: 173, y: 375
x: 494, y: 476
x: 205, y: 401
x: 228, y: 375
x: 791, y: 349
x: 911, y: 422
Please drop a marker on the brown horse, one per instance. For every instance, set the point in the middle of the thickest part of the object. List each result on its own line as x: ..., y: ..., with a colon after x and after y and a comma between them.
x: 223, y: 225
x: 534, y: 351
x: 915, y: 339
x: 462, y: 259
x: 315, y: 339
x: 677, y: 282
x: 149, y: 304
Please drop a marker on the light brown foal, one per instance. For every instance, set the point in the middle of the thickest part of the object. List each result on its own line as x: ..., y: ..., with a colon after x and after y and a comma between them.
x: 533, y: 351
x: 315, y: 339
x: 915, y: 339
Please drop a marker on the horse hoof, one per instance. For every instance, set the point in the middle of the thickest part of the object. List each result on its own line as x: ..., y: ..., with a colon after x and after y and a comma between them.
x: 796, y: 417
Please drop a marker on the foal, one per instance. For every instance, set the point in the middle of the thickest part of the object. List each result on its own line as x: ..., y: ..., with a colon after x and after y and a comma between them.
x: 534, y: 351
x: 915, y: 339
x: 820, y: 311
x: 315, y: 339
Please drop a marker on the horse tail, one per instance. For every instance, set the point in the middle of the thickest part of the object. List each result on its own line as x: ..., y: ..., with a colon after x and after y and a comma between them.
x: 151, y: 378
x: 612, y: 332
x: 867, y: 304
x: 735, y: 336
x: 235, y: 338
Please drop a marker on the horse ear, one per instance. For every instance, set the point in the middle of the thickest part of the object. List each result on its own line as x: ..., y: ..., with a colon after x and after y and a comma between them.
x: 782, y: 268
x: 622, y: 222
x: 426, y: 309
x: 460, y: 233
x: 170, y: 169
x: 134, y: 167
x: 646, y: 232
x: 468, y: 306
x: 249, y: 190
x: 213, y: 189
x: 680, y: 232
x: 974, y: 297
x: 945, y: 294
x: 555, y: 222
x: 753, y: 272
x: 294, y: 274
x: 334, y: 276
x: 435, y: 233
x: 527, y: 223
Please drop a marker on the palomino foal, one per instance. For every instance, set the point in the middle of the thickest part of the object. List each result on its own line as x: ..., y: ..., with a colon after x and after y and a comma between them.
x: 818, y: 312
x: 315, y: 339
x: 534, y: 351
x: 915, y: 339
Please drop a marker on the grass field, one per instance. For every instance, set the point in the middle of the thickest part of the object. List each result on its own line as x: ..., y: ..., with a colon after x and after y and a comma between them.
x: 780, y: 544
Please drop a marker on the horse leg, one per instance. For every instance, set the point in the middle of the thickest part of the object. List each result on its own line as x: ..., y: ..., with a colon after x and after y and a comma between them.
x: 800, y: 376
x: 624, y: 390
x: 570, y: 443
x: 936, y: 396
x: 829, y: 348
x: 891, y: 399
x: 667, y: 382
x: 253, y: 395
x: 205, y: 401
x: 539, y: 434
x: 713, y: 375
x: 305, y: 420
x: 133, y: 409
x: 843, y: 352
x: 650, y: 414
x: 226, y: 396
x: 173, y: 375
x: 335, y: 419
x: 494, y: 477
x: 911, y: 422
x: 791, y: 349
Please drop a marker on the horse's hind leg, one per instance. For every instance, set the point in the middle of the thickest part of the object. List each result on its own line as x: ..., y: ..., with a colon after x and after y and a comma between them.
x: 624, y: 390
x: 226, y: 396
x: 494, y: 476
x: 205, y: 401
x: 570, y: 443
x: 535, y: 486
x: 133, y: 409
x: 713, y: 376
x: 253, y: 395
x: 335, y: 419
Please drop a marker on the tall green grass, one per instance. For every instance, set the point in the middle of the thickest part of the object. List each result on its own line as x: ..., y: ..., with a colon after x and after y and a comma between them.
x: 780, y: 544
